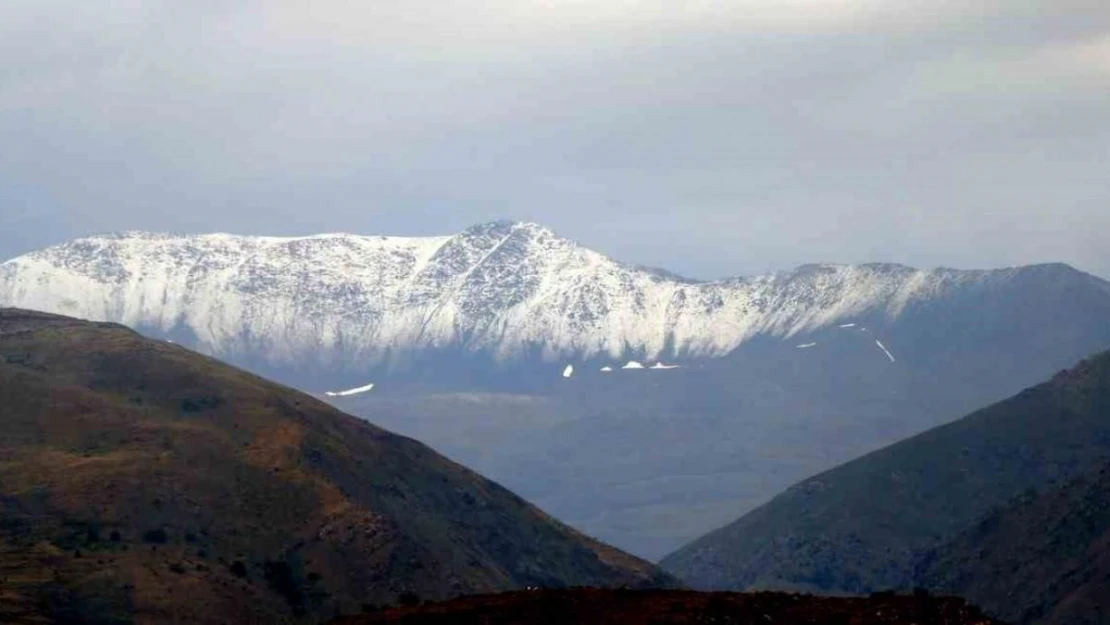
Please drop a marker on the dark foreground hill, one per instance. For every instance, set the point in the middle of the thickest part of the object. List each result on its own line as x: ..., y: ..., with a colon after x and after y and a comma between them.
x: 865, y: 524
x: 1042, y: 558
x: 142, y: 482
x: 590, y: 606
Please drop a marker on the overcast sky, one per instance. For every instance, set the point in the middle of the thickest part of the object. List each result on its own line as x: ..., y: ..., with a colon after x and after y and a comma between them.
x: 710, y: 138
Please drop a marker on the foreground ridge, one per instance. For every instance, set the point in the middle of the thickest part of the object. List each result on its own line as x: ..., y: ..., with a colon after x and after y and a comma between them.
x: 590, y: 606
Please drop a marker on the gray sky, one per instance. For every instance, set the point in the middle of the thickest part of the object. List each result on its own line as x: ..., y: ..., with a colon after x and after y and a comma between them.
x: 710, y: 138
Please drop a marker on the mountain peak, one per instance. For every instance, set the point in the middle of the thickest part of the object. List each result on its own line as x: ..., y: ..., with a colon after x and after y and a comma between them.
x: 506, y: 228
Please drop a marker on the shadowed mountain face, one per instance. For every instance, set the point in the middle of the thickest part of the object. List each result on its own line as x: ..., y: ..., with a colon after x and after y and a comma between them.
x: 866, y: 524
x: 141, y: 481
x: 466, y: 339
x: 1042, y: 558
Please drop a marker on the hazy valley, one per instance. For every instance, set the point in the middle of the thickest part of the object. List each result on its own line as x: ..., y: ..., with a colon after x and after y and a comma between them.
x: 505, y: 347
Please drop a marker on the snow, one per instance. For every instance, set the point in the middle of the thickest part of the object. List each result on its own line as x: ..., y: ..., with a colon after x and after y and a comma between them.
x: 806, y: 345
x: 660, y: 366
x: 349, y: 392
x: 503, y: 289
x: 606, y: 369
x: 632, y: 364
x: 847, y: 325
x: 885, y: 350
x: 569, y: 371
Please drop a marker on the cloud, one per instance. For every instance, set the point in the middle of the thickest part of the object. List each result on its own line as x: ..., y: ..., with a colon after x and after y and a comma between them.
x: 709, y: 137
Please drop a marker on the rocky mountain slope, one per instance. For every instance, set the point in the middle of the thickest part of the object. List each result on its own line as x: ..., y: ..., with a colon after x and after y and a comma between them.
x: 1041, y: 558
x: 867, y: 524
x: 140, y: 481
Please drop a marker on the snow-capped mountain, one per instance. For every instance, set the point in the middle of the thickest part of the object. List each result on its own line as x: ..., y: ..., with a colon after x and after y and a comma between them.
x: 505, y: 289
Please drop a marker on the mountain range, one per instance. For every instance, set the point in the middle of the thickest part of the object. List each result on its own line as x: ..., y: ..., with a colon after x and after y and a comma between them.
x: 637, y: 405
x: 504, y: 290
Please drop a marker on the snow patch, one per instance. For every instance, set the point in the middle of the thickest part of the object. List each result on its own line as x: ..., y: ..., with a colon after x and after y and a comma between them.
x: 847, y: 325
x: 348, y: 392
x: 632, y: 364
x: 885, y: 350
x: 657, y: 366
x: 569, y: 371
x: 805, y: 345
x: 606, y: 369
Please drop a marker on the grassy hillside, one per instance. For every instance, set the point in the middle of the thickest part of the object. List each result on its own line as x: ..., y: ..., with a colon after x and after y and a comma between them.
x: 143, y: 482
x: 862, y: 526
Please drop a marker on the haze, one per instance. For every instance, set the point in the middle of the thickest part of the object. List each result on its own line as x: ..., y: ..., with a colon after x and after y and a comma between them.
x: 708, y: 138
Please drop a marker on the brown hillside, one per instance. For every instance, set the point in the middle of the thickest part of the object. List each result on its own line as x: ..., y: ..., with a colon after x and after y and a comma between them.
x: 142, y: 482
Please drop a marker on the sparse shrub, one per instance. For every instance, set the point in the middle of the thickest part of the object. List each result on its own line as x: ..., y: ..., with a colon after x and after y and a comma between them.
x: 238, y: 569
x: 716, y: 606
x: 200, y: 404
x: 157, y: 536
x: 282, y: 578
